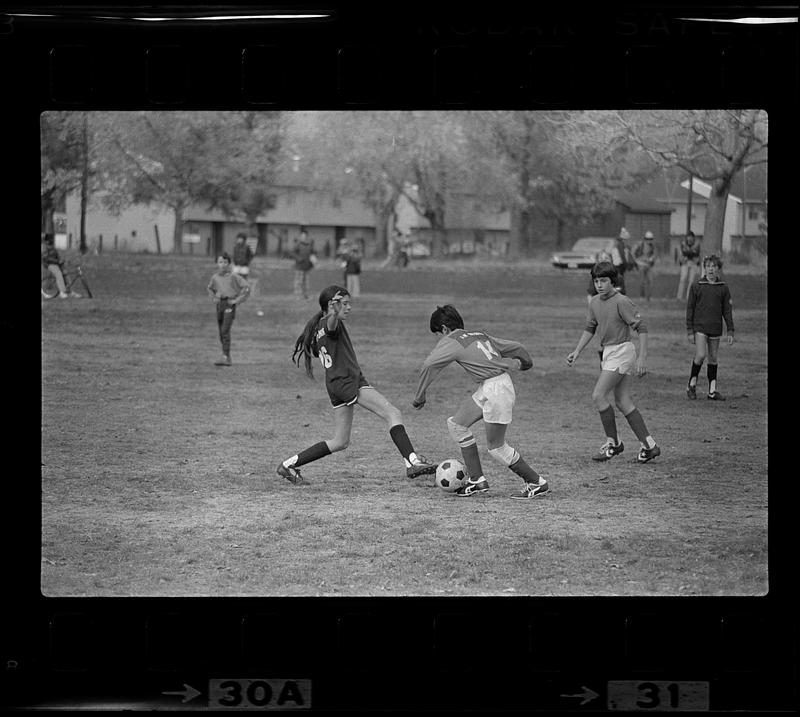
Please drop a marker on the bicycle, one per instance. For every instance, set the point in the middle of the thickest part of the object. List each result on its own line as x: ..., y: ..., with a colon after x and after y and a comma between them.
x: 72, y: 273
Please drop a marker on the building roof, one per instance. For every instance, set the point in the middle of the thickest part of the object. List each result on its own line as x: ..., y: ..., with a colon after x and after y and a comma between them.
x: 670, y: 187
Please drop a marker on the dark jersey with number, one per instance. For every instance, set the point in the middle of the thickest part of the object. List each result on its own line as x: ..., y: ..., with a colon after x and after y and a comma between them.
x: 343, y: 375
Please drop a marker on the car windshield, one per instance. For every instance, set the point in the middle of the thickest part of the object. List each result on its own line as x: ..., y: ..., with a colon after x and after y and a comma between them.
x: 591, y: 244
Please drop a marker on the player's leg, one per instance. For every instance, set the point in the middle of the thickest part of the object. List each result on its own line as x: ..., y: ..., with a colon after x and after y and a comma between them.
x: 55, y: 270
x: 377, y: 403
x: 684, y: 273
x: 459, y: 427
x: 648, y: 448
x: 711, y: 369
x: 220, y: 306
x: 603, y: 399
x: 342, y: 426
x: 499, y: 449
x: 700, y: 348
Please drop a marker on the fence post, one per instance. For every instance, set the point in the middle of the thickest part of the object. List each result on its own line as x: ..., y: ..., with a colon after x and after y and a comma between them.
x: 100, y: 245
x: 116, y: 242
x: 158, y: 239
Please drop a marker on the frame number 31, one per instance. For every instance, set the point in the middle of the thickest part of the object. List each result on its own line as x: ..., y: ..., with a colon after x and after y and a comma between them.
x: 657, y: 696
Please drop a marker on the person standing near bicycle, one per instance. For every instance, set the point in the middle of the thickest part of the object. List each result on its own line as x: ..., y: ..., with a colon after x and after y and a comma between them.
x: 52, y: 261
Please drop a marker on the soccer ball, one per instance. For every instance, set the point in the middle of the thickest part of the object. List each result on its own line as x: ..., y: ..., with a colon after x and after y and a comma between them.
x: 450, y: 475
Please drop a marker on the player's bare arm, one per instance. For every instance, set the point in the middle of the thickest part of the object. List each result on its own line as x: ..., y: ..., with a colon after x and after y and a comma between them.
x: 585, y: 338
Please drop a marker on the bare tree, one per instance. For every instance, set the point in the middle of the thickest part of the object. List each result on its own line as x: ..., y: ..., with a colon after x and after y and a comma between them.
x: 712, y: 145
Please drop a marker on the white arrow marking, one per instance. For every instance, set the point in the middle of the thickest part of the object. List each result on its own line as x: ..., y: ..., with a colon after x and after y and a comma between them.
x: 188, y: 693
x: 588, y: 695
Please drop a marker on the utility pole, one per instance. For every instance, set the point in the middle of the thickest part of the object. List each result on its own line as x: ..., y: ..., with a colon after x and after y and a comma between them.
x: 689, y: 205
x: 744, y: 202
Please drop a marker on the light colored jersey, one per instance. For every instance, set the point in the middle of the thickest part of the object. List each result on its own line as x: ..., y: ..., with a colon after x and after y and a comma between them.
x: 613, y: 318
x: 228, y: 286
x: 478, y: 354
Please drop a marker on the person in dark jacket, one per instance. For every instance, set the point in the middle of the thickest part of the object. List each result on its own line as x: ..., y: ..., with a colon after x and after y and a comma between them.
x: 709, y: 303
x: 304, y: 259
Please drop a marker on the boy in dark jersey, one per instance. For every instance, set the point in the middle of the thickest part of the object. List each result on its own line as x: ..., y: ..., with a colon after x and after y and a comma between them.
x: 487, y: 360
x: 708, y: 304
x: 325, y: 337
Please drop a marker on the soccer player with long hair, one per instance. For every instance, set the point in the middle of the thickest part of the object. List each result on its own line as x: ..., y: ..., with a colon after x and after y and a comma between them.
x: 325, y: 337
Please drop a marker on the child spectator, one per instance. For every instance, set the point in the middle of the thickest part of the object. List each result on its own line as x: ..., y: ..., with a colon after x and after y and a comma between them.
x: 226, y: 290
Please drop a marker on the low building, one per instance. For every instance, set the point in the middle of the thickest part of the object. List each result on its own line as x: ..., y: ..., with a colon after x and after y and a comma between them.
x: 138, y: 228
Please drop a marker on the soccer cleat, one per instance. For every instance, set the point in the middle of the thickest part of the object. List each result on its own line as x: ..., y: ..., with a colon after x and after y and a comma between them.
x: 224, y: 360
x: 608, y: 450
x: 532, y: 490
x: 691, y: 392
x: 471, y: 488
x: 647, y: 454
x: 424, y: 467
x: 291, y: 474
x: 716, y: 396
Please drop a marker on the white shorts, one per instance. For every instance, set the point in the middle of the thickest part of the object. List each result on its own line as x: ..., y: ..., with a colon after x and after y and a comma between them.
x: 496, y: 397
x: 619, y: 357
x: 243, y: 270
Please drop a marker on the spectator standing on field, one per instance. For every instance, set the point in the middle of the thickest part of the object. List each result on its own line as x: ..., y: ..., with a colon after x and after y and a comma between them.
x: 645, y: 255
x: 226, y: 290
x: 690, y: 264
x: 242, y: 256
x: 304, y: 259
x: 621, y: 259
x: 52, y: 261
x: 352, y: 270
x: 341, y: 255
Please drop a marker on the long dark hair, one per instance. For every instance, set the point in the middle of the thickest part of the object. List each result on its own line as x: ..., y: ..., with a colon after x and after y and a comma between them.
x: 306, y: 344
x: 446, y: 316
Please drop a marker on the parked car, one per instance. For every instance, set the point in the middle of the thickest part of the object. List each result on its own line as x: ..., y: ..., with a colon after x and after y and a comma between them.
x: 583, y: 254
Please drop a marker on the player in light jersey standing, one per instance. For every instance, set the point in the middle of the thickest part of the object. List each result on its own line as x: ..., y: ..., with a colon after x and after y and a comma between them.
x: 487, y: 360
x: 325, y: 337
x: 612, y: 316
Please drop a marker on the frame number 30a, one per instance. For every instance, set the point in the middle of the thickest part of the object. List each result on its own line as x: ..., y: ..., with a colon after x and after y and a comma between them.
x: 249, y: 694
x: 657, y: 696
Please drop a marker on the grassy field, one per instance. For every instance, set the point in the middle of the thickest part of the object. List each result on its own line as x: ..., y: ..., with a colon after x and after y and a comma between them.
x: 158, y: 468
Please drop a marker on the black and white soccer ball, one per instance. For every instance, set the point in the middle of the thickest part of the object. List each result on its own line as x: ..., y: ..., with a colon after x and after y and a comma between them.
x: 450, y: 475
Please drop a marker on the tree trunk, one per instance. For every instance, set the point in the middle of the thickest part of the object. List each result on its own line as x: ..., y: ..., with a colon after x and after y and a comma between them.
x: 715, y: 218
x: 84, y: 180
x: 560, y: 224
x: 514, y: 233
x: 177, y: 233
x: 47, y: 215
x: 384, y: 214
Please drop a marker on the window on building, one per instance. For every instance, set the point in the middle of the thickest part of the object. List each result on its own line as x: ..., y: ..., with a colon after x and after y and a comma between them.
x: 753, y: 213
